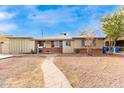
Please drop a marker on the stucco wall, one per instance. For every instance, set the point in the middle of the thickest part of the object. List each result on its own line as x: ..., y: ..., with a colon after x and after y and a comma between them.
x: 99, y: 43
x: 77, y: 43
x: 47, y: 44
x: 52, y: 50
x: 4, y: 47
x: 67, y: 49
x: 21, y: 45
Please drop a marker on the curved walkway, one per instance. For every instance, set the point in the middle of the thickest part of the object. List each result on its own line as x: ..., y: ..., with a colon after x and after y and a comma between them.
x: 53, y: 77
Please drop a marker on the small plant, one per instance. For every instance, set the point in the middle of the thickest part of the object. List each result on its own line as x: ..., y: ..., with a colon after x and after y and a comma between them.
x: 77, y: 50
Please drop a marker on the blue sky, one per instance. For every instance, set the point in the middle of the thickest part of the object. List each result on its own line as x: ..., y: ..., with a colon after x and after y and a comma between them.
x: 52, y: 20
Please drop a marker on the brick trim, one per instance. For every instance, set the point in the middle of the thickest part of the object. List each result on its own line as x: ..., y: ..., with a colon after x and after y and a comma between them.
x: 52, y: 50
x: 94, y: 50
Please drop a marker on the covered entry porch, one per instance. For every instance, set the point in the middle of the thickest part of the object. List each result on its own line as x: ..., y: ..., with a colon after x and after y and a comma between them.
x: 119, y: 43
x: 48, y: 46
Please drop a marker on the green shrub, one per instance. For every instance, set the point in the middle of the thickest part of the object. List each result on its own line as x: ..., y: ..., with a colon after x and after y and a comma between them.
x: 77, y: 50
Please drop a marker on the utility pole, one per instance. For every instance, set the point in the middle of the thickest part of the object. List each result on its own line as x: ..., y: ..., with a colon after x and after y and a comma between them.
x: 42, y: 32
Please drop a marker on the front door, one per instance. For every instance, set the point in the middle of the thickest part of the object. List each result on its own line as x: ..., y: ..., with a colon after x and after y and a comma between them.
x: 40, y: 50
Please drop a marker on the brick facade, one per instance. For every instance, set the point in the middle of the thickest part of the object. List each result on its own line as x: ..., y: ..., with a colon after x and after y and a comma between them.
x: 94, y: 50
x: 52, y: 50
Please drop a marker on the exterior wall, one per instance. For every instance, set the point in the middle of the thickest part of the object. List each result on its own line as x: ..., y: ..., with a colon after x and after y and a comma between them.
x: 93, y: 50
x: 4, y: 47
x: 67, y: 49
x: 77, y: 43
x: 99, y: 43
x: 25, y: 45
x: 47, y: 44
x: 21, y: 45
x: 97, y: 51
x: 52, y: 50
x: 83, y: 50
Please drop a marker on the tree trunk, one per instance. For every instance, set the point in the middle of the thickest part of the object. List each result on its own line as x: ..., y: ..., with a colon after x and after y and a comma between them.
x: 109, y: 46
x: 112, y: 46
x: 114, y: 43
x: 89, y: 51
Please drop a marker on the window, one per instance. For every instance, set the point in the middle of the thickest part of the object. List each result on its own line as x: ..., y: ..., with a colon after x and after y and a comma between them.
x: 56, y: 44
x: 60, y: 42
x: 68, y: 43
x: 94, y: 42
x: 41, y: 43
x: 82, y: 42
x: 52, y: 43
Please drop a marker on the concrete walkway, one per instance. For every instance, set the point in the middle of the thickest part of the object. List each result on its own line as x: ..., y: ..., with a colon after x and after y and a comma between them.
x: 3, y: 56
x: 53, y: 77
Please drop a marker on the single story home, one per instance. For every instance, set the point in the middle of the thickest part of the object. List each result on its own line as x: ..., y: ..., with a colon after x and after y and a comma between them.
x: 61, y: 44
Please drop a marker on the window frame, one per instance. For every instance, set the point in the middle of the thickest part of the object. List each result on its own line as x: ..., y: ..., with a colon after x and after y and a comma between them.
x: 68, y: 42
x: 83, y: 43
x: 57, y: 44
x: 94, y: 42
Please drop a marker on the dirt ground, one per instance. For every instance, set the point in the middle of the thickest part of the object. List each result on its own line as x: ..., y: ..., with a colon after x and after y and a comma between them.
x: 21, y: 72
x: 92, y: 71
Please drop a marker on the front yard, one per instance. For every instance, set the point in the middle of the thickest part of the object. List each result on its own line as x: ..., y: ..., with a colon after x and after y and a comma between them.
x: 89, y: 72
x: 21, y: 72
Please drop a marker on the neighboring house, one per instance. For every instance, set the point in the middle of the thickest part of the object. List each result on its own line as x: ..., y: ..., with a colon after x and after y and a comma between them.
x: 119, y: 42
x: 12, y: 44
x: 62, y: 44
x: 4, y: 44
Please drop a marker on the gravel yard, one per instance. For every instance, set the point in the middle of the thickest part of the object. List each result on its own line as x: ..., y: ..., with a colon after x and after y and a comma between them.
x: 92, y: 72
x: 21, y: 72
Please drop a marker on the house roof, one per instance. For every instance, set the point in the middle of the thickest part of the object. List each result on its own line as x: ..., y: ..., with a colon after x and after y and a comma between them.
x: 18, y: 37
x: 121, y: 38
x: 79, y: 37
x: 53, y: 38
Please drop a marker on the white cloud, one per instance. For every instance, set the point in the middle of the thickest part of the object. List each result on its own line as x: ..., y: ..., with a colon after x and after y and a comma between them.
x: 54, y: 16
x: 5, y: 27
x: 6, y: 15
x: 5, y: 23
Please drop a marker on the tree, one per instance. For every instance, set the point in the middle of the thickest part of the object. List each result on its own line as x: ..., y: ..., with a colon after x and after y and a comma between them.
x: 113, y: 27
x: 89, y: 35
